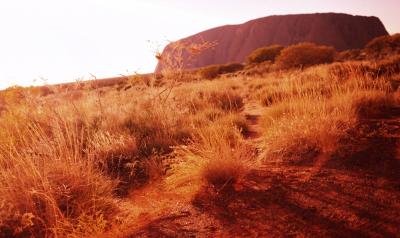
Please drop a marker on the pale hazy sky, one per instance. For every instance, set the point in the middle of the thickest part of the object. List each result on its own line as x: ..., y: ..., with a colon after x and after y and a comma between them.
x: 65, y: 40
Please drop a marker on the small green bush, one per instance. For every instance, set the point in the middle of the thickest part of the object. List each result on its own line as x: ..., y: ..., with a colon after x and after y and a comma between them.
x: 268, y: 53
x: 305, y: 54
x: 213, y: 71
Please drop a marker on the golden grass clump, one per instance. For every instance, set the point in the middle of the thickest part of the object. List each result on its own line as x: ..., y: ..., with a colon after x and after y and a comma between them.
x: 49, y: 186
x: 308, y: 121
x: 223, y: 95
x: 156, y: 128
x: 221, y: 156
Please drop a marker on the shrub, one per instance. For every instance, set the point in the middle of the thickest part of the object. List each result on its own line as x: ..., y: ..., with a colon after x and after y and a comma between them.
x: 227, y: 158
x: 117, y: 156
x: 305, y: 54
x: 383, y: 45
x: 209, y: 72
x: 222, y: 99
x: 45, y: 91
x: 67, y: 197
x: 213, y: 71
x: 13, y: 95
x: 344, y: 71
x: 230, y: 68
x: 156, y: 129
x: 354, y: 54
x: 272, y: 98
x: 268, y: 53
x: 221, y: 155
x: 305, y: 123
x: 259, y: 69
x: 50, y: 186
x: 228, y: 170
x: 3, y: 104
x: 387, y: 67
x: 227, y: 101
x: 372, y: 104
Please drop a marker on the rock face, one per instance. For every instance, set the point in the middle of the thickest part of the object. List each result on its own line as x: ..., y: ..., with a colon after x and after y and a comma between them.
x: 235, y: 42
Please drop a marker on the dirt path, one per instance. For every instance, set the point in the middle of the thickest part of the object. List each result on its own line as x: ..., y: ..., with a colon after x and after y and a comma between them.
x: 350, y: 195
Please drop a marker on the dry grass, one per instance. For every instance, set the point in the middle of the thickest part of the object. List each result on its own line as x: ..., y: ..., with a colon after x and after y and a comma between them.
x: 312, y: 112
x: 48, y: 185
x: 222, y: 157
x: 68, y: 158
x: 65, y: 163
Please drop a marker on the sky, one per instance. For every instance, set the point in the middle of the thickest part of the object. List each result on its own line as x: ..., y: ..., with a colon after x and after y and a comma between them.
x: 53, y: 41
